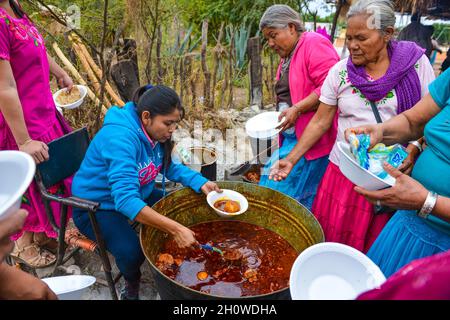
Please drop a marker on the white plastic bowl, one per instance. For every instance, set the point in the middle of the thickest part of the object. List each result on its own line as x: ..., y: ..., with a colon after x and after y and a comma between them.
x: 357, y: 174
x: 333, y: 271
x: 76, y: 104
x: 263, y: 125
x: 70, y: 287
x: 16, y: 173
x: 214, y: 196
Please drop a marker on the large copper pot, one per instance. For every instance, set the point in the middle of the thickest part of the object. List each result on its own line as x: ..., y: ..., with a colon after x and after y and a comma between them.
x: 267, y: 208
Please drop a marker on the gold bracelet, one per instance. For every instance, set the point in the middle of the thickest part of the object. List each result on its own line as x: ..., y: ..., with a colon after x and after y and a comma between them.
x: 26, y: 142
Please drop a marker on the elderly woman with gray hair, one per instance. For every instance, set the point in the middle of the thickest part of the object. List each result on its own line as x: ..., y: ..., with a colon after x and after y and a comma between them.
x: 306, y: 58
x: 379, y: 80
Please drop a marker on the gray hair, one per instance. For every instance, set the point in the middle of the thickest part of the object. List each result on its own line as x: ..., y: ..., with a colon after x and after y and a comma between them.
x: 279, y: 16
x: 381, y: 13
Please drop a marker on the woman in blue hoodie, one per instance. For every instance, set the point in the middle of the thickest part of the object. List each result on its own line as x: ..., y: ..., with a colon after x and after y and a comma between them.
x: 119, y: 172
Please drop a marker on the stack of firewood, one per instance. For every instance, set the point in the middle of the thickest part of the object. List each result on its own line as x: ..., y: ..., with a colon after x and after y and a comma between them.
x: 93, y: 71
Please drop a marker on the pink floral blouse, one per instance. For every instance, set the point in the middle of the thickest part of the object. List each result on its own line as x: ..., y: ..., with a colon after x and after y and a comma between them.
x: 24, y: 48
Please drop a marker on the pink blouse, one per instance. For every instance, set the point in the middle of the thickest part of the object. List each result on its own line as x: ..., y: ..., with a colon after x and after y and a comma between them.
x: 312, y: 59
x: 24, y: 48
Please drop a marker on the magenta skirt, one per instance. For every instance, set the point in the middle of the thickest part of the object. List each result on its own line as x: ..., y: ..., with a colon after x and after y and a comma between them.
x: 37, y: 220
x: 346, y: 216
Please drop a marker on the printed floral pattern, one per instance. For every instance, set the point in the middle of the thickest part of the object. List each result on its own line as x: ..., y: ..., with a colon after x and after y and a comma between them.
x: 344, y: 79
x: 57, y: 190
x: 22, y: 29
x: 25, y: 200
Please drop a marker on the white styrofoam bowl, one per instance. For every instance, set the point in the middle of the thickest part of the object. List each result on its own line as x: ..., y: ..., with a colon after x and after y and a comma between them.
x: 357, y: 174
x: 264, y: 125
x: 70, y: 287
x: 333, y: 271
x: 73, y: 105
x: 16, y: 173
x: 214, y: 196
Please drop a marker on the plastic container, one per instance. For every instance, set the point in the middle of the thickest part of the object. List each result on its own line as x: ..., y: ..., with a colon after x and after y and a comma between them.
x: 229, y: 195
x: 263, y: 126
x: 357, y: 174
x: 333, y: 271
x: 76, y: 104
x: 70, y: 287
x: 16, y: 173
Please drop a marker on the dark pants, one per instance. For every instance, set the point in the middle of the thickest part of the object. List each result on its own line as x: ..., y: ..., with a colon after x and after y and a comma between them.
x: 120, y: 238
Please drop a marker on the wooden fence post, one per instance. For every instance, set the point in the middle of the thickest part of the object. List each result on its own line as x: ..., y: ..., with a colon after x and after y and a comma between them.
x: 256, y: 83
x: 206, y: 72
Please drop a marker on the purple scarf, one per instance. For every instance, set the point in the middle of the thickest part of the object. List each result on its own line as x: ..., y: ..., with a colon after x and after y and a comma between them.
x: 400, y: 76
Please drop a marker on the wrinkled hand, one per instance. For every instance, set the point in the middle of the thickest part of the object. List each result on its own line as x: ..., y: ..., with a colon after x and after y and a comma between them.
x: 408, y: 164
x: 37, y: 149
x: 290, y: 115
x: 210, y: 186
x: 280, y: 170
x: 185, y: 238
x: 374, y: 131
x: 18, y: 285
x: 407, y: 193
x: 65, y: 81
x: 9, y: 227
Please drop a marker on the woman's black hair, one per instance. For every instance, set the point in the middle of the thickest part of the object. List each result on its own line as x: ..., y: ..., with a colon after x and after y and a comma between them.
x: 15, y: 6
x: 158, y: 100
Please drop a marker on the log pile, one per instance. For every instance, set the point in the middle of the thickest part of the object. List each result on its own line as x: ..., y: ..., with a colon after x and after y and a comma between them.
x: 93, y: 71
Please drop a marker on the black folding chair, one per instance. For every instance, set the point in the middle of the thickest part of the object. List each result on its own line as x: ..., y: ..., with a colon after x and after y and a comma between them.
x: 66, y: 154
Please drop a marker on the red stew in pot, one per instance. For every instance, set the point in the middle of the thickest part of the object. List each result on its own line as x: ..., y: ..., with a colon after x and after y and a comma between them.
x: 255, y: 260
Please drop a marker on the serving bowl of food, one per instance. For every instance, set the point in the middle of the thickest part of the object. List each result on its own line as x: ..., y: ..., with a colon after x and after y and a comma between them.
x: 65, y: 99
x: 227, y: 203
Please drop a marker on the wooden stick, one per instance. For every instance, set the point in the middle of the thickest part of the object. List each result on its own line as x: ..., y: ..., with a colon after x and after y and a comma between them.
x: 76, y: 75
x: 84, y: 51
x: 217, y: 55
x: 89, y: 72
x: 206, y: 72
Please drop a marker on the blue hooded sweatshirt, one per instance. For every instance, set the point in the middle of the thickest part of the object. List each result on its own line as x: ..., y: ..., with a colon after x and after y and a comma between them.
x: 121, y: 165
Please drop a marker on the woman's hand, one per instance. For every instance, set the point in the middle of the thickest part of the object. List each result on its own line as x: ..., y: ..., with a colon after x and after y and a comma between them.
x: 37, y: 149
x: 290, y: 115
x: 374, y: 131
x: 408, y: 164
x: 280, y: 170
x: 185, y: 238
x: 210, y: 186
x: 18, y: 285
x: 406, y: 194
x: 65, y: 81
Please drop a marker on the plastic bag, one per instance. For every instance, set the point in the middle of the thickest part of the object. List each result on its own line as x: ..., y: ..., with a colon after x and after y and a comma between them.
x: 373, y: 159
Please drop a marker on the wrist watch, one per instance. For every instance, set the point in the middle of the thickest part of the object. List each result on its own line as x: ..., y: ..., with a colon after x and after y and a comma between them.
x: 417, y: 144
x: 428, y: 205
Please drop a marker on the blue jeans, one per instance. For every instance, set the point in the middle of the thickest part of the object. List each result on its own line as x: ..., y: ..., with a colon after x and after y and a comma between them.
x: 120, y: 238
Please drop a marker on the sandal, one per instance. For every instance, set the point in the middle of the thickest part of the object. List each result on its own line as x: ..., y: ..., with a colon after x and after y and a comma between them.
x: 41, y: 258
x: 45, y: 242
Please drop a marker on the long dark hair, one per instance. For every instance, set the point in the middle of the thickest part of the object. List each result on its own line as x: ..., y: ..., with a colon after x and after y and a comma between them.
x: 15, y: 6
x: 158, y: 100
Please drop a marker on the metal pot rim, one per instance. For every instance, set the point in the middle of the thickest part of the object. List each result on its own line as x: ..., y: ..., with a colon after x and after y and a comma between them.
x: 203, y: 148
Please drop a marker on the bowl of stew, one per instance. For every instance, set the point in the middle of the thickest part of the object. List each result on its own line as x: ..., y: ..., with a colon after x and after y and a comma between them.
x: 227, y: 203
